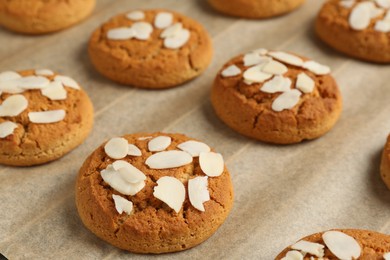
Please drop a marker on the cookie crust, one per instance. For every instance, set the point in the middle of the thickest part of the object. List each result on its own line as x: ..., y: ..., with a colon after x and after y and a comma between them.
x: 147, y: 64
x: 153, y: 227
x: 40, y: 17
x: 385, y: 164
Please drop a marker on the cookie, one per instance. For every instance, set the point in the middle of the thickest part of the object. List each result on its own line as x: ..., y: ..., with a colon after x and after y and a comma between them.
x: 39, y: 17
x: 154, y: 193
x: 43, y: 115
x: 255, y: 8
x: 360, y: 28
x: 150, y: 49
x: 276, y: 97
x: 340, y: 244
x: 385, y: 165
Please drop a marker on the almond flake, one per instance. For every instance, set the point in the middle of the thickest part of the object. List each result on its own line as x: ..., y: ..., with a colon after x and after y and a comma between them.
x: 135, y: 15
x: 382, y: 26
x: 277, y: 84
x: 342, y: 245
x: 347, y: 3
x: 117, y: 148
x: 178, y: 40
x: 305, y: 83
x: 144, y: 138
x: 122, y: 204
x: 11, y: 87
x: 67, y: 81
x: 121, y: 33
x: 44, y: 72
x: 163, y: 20
x: 128, y: 172
x: 194, y: 147
x: 293, y: 255
x: 383, y: 3
x: 47, y: 117
x: 231, y: 71
x: 33, y: 82
x: 286, y: 100
x: 360, y: 16
x: 211, y: 163
x: 142, y: 30
x: 316, y: 68
x: 310, y: 247
x: 168, y: 159
x: 134, y: 150
x: 159, y: 143
x: 252, y: 58
x: 386, y: 256
x: 9, y: 75
x: 13, y: 105
x: 55, y: 91
x: 255, y: 75
x: 7, y: 128
x: 170, y: 191
x: 171, y: 31
x: 198, y: 192
x: 115, y: 180
x: 275, y: 68
x: 286, y: 58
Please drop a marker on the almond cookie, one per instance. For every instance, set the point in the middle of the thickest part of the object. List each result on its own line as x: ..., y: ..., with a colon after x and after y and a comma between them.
x: 276, y: 97
x: 255, y: 8
x: 39, y: 17
x: 43, y: 115
x: 385, y: 165
x: 359, y: 28
x: 154, y: 193
x: 150, y: 49
x: 340, y: 244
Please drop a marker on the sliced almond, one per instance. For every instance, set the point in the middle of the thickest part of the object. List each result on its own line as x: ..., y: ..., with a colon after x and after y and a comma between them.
x: 231, y: 71
x: 145, y: 138
x: 44, y: 72
x: 211, y: 163
x: 177, y: 41
x: 360, y: 17
x: 310, y: 247
x: 342, y: 245
x: 198, y: 192
x: 13, y: 105
x: 382, y: 26
x: 163, y: 20
x: 117, y: 148
x: 121, y: 33
x: 9, y: 75
x: 7, y: 128
x: 128, y: 172
x: 316, y: 68
x: 277, y: 84
x: 286, y: 58
x: 55, y: 91
x: 115, y: 180
x: 33, y: 82
x: 253, y: 58
x: 122, y: 204
x: 168, y: 159
x: 274, y: 67
x: 255, y: 74
x: 386, y: 256
x: 347, y: 3
x: 47, y: 117
x: 383, y: 3
x: 172, y: 30
x: 142, y: 30
x: 134, y: 150
x: 194, y: 147
x: 293, y: 255
x: 11, y: 87
x: 170, y: 191
x: 305, y: 83
x: 159, y: 143
x: 135, y: 15
x: 67, y: 81
x: 286, y: 100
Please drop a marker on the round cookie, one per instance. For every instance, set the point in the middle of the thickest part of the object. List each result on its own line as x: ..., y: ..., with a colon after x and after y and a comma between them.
x: 255, y: 8
x: 162, y: 193
x: 360, y: 28
x: 385, y: 165
x: 340, y: 244
x: 276, y: 97
x: 43, y: 115
x: 39, y: 17
x: 150, y: 49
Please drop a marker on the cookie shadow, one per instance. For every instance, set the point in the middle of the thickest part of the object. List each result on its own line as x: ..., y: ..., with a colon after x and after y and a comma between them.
x: 376, y: 185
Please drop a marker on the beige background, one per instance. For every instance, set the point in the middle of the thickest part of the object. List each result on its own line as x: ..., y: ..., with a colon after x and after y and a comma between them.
x: 282, y: 193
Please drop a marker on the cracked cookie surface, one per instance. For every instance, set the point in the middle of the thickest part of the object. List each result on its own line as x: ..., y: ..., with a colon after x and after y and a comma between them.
x: 152, y: 227
x: 39, y: 17
x: 147, y: 63
x: 385, y: 164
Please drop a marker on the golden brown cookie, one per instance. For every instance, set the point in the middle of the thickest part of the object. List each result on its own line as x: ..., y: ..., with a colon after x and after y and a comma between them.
x: 162, y: 192
x: 43, y: 16
x: 255, y: 8
x: 150, y: 49
x: 360, y: 28
x: 385, y: 165
x: 43, y: 115
x: 340, y: 244
x: 276, y: 97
